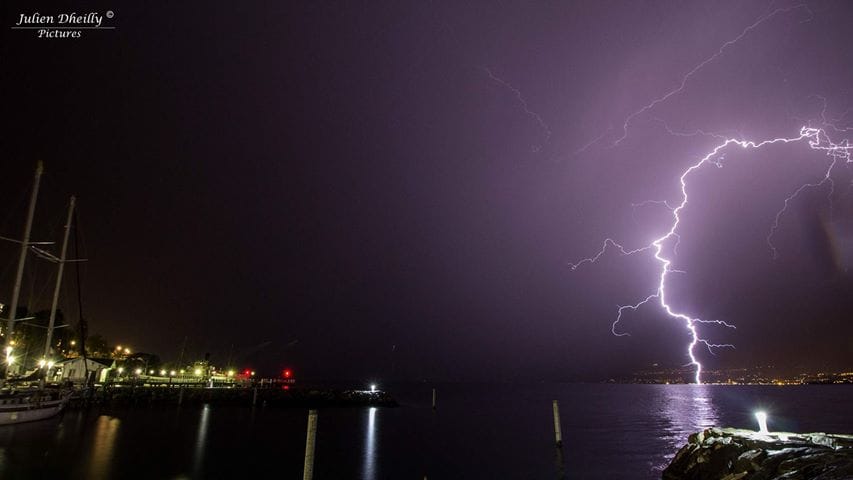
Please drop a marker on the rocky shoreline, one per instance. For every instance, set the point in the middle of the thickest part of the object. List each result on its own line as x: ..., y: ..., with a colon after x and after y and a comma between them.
x: 734, y: 454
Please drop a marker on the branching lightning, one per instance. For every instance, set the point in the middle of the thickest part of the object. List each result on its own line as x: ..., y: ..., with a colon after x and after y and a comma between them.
x: 546, y: 131
x: 682, y: 84
x: 817, y: 139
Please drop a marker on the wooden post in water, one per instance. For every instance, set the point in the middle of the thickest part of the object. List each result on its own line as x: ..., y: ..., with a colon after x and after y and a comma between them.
x: 181, y: 395
x: 255, y: 397
x: 433, y: 399
x: 558, y: 435
x: 308, y: 469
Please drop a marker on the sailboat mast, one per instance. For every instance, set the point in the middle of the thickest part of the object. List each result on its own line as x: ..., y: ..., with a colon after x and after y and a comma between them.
x: 53, y: 306
x: 25, y: 244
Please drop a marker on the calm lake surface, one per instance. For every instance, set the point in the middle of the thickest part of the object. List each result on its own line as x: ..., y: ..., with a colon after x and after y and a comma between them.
x: 478, y: 431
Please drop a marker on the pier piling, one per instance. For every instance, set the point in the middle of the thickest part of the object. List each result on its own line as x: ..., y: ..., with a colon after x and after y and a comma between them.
x: 255, y: 397
x: 558, y: 435
x: 433, y: 399
x: 308, y: 469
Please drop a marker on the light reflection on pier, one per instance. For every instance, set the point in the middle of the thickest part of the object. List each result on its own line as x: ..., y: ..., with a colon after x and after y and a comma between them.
x: 103, y: 446
x: 201, y: 441
x: 369, y: 465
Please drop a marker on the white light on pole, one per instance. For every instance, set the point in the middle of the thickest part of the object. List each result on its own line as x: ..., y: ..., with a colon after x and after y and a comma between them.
x: 762, y: 422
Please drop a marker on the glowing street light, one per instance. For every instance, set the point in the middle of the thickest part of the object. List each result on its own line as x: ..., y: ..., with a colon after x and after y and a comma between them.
x: 50, y: 364
x: 138, y: 371
x: 197, y: 372
x: 172, y: 373
x: 162, y: 373
x: 372, y: 387
x: 42, y: 363
x: 151, y: 372
x: 230, y: 373
x: 120, y: 370
x: 762, y: 422
x: 127, y: 351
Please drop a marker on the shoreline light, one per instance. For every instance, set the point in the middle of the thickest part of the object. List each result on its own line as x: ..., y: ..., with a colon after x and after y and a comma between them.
x: 762, y: 422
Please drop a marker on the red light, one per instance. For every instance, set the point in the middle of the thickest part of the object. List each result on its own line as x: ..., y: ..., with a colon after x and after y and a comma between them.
x: 287, y: 373
x: 247, y: 372
x: 287, y: 387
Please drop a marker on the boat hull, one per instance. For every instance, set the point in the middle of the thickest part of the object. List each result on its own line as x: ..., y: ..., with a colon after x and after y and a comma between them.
x: 12, y: 414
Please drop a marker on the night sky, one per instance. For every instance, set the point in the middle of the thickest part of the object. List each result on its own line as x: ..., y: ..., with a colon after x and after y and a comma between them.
x: 396, y: 189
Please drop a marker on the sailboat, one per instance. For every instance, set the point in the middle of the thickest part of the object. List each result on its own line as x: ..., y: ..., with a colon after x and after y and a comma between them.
x: 31, y: 404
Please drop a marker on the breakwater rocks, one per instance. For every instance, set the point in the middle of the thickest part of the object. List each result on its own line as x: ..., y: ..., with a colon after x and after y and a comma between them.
x: 269, y: 397
x: 733, y: 454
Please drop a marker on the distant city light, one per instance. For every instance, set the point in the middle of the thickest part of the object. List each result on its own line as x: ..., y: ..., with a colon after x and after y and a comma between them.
x: 50, y: 364
x: 182, y: 371
x: 127, y: 351
x: 372, y: 387
x: 172, y: 373
x: 73, y: 343
x: 151, y: 372
x: 287, y: 373
x: 762, y: 422
x: 139, y: 371
x: 42, y: 363
x: 197, y: 371
x: 118, y: 347
x: 230, y: 373
x: 253, y: 373
x: 120, y: 369
x: 162, y: 372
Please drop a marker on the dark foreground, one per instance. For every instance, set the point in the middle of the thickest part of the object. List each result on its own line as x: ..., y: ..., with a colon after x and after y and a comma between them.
x: 502, y: 431
x: 733, y: 454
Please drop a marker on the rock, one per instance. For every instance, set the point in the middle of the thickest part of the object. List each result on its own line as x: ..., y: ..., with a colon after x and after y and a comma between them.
x: 733, y: 454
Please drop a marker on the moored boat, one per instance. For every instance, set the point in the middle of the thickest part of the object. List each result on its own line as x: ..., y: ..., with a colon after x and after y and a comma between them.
x: 30, y: 406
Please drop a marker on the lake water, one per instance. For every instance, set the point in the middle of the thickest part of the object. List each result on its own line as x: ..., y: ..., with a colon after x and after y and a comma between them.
x: 478, y: 431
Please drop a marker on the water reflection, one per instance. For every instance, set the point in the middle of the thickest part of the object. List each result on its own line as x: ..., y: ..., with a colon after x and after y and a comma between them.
x: 200, y: 441
x: 106, y: 431
x: 686, y: 409
x: 370, y: 446
x: 691, y: 408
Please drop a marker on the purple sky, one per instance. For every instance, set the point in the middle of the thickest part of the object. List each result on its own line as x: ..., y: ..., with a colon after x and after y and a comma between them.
x: 396, y: 185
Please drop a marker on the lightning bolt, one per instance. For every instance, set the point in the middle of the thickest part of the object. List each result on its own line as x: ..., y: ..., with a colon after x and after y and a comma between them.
x: 546, y: 131
x: 817, y: 139
x: 682, y: 84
